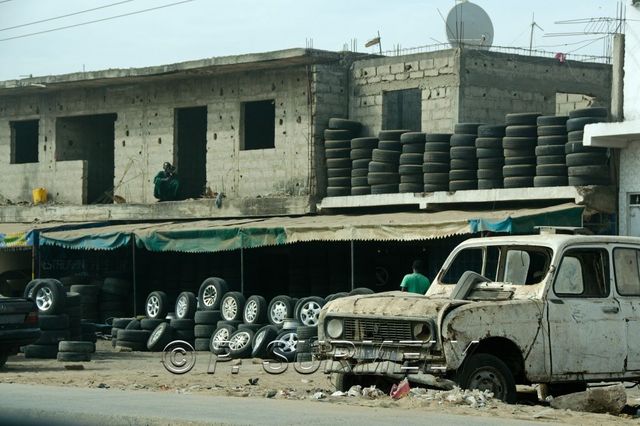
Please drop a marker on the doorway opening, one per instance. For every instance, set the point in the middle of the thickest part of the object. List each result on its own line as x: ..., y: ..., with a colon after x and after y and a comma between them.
x: 402, y: 109
x: 190, y: 156
x: 24, y: 141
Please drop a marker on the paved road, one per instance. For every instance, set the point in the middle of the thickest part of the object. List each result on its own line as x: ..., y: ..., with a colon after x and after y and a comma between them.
x: 54, y: 405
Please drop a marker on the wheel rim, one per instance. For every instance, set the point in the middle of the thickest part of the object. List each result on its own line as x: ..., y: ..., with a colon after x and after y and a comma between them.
x: 278, y: 312
x: 259, y: 338
x: 309, y: 313
x: 239, y: 341
x: 221, y: 336
x: 44, y: 298
x: 209, y: 296
x: 153, y: 306
x: 229, y: 308
x: 155, y: 336
x: 488, y: 379
x: 251, y: 311
x: 181, y: 307
x: 288, y: 343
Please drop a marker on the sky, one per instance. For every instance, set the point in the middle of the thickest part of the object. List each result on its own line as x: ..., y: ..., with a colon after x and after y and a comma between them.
x: 199, y: 29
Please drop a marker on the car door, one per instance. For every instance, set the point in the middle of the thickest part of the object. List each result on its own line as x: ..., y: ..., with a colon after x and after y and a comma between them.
x: 587, y: 336
x: 626, y: 263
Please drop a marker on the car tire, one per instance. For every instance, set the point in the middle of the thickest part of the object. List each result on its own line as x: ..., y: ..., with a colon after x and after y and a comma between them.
x: 156, y: 305
x: 280, y: 308
x: 160, y: 337
x: 207, y: 317
x: 262, y: 339
x: 286, y: 349
x: 211, y: 292
x: 50, y: 297
x: 482, y: 370
x: 240, y: 344
x: 308, y: 311
x: 232, y: 305
x: 76, y: 346
x: 186, y: 305
x: 220, y: 336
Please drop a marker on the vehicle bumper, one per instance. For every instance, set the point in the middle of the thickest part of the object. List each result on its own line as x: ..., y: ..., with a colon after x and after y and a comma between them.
x: 11, y: 340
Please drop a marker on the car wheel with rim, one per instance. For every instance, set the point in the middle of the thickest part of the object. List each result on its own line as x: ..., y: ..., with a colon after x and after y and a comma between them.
x: 240, y: 344
x: 156, y: 305
x: 231, y: 306
x: 309, y: 310
x: 210, y: 293
x: 49, y: 297
x: 488, y: 372
x: 255, y: 310
x: 286, y: 345
x: 280, y: 308
x: 186, y: 305
x: 220, y: 339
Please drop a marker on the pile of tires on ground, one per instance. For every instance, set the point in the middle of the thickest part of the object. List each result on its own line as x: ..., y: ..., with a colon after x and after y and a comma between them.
x: 227, y: 323
x: 63, y: 333
x: 101, y: 299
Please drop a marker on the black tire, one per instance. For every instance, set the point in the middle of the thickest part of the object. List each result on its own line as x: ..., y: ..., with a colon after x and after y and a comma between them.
x: 156, y: 305
x: 515, y: 161
x: 73, y: 300
x: 53, y: 322
x: 463, y: 140
x: 280, y: 308
x: 361, y: 291
x: 252, y: 327
x: 585, y: 159
x: 460, y: 185
x: 287, y: 348
x: 519, y: 143
x: 391, y: 135
x: 120, y: 322
x: 78, y: 347
x: 519, y: 171
x: 469, y: 164
x: 578, y: 148
x: 490, y: 174
x: 522, y: 131
x: 413, y: 148
x: 255, y: 310
x: 551, y: 170
x: 364, y: 143
x: 150, y: 323
x: 436, y: 187
x: 207, y: 317
x: 355, y: 173
x: 203, y: 330
x: 489, y: 153
x: 522, y: 119
x: 575, y: 136
x: 337, y: 153
x: 360, y: 154
x: 390, y: 146
x: 232, y: 305
x: 589, y: 112
x: 413, y: 138
x: 491, y: 131
x: 52, y: 337
x: 385, y: 156
x: 139, y: 336
x: 597, y: 172
x: 85, y: 290
x: 381, y: 167
x: 437, y: 147
x: 574, y: 124
x: 481, y: 370
x: 552, y: 140
x: 337, y: 134
x: 436, y: 167
x: 41, y: 351
x: 333, y: 173
x: 134, y: 346
x: 211, y: 292
x: 390, y: 188
x: 490, y: 163
x: 560, y: 131
x: 360, y: 190
x: 338, y: 163
x: 359, y: 181
x: 466, y: 128
x: 201, y: 344
x: 73, y: 357
x: 262, y: 339
x: 463, y: 152
x: 186, y: 335
x: 587, y: 181
x: 437, y: 157
x: 510, y: 153
x: 436, y: 178
x: 338, y: 191
x: 245, y: 337
x: 116, y: 286
x: 437, y: 137
x: 217, y: 343
x: 518, y: 182
x: 234, y: 324
x: 186, y: 305
x: 378, y: 178
x: 552, y: 120
x: 551, y: 159
x: 308, y: 310
x: 344, y: 124
x: 160, y: 337
x: 337, y: 144
x: 182, y: 324
x: 339, y: 181
x: 50, y: 296
x: 489, y: 143
x: 412, y: 178
x: 543, y: 181
x: 463, y: 175
x: 306, y: 332
x: 549, y: 150
x: 134, y: 324
x: 489, y: 183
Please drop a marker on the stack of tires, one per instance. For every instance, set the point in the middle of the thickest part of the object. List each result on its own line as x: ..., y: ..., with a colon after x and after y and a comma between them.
x: 116, y: 325
x: 75, y: 351
x: 132, y: 336
x: 490, y: 156
x: 88, y: 300
x: 337, y: 153
x: 361, y: 153
x: 206, y: 323
x: 520, y: 150
x: 114, y: 298
x: 586, y: 165
x: 551, y: 168
x: 436, y: 162
x: 211, y: 292
x: 51, y: 298
x: 411, y: 159
x: 73, y: 309
x: 384, y: 176
x: 463, y: 174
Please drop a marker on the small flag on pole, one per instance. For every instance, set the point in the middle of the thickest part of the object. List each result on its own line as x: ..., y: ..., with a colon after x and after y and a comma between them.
x: 372, y: 42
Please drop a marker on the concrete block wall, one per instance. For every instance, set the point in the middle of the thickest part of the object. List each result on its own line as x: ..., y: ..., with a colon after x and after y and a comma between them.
x: 494, y: 84
x: 436, y: 74
x: 567, y: 102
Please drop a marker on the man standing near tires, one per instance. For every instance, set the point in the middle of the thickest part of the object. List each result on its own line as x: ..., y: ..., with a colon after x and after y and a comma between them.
x: 416, y: 282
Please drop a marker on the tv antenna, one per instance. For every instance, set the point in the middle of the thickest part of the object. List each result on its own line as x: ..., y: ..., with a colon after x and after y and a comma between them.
x: 534, y: 25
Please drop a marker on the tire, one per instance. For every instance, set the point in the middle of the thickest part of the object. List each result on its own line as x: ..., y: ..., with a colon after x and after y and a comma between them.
x: 280, y: 308
x: 437, y: 147
x: 360, y: 291
x: 360, y: 154
x: 338, y: 191
x: 436, y: 167
x: 463, y: 152
x: 255, y: 310
x: 252, y: 327
x: 489, y: 153
x: 134, y: 324
x: 240, y: 344
x: 466, y: 128
x: 337, y: 134
x: 391, y: 135
x: 134, y: 346
x: 364, y: 143
x: 437, y: 137
x: 308, y: 310
x: 337, y: 153
x: 544, y: 181
x: 510, y: 153
x: 390, y: 188
x: 287, y: 348
x: 160, y: 337
x: 519, y: 171
x: 549, y: 150
x: 436, y: 157
x: 138, y: 336
x: 489, y: 183
x: 516, y: 161
x: 338, y: 163
x: 150, y: 324
x: 344, y: 124
x: 385, y: 156
x: 116, y: 286
x: 459, y: 185
x: 579, y: 148
x: 121, y: 322
x: 203, y: 330
x: 333, y: 173
x: 463, y: 140
x: 585, y: 159
x: 306, y: 332
x: 589, y: 112
x: 574, y: 124
x: 210, y: 292
x: 413, y: 138
x: 489, y: 143
x: 381, y: 167
x: 411, y: 158
x: 53, y: 322
x: 337, y: 144
x: 85, y: 290
x: 522, y: 119
x: 412, y: 178
x: 360, y: 190
x: 560, y: 131
x: 470, y: 164
x: 436, y: 187
x: 201, y: 344
x: 207, y: 317
x: 262, y: 339
x: 597, y: 172
x: 552, y: 140
x: 519, y: 143
x: 522, y: 131
x: 413, y: 148
x: 359, y: 181
x: 551, y: 159
x: 491, y: 163
x: 436, y: 178
x: 390, y: 146
x: 52, y: 337
x: 73, y: 300
x: 220, y: 336
x: 552, y: 120
x: 232, y: 305
x: 488, y: 372
x: 41, y: 351
x: 183, y: 324
x: 491, y: 131
x: 463, y: 175
x: 587, y: 181
x: 575, y: 136
x: 551, y: 170
x: 518, y: 182
x: 377, y: 178
x: 339, y: 181
x: 186, y: 305
x: 156, y: 305
x: 186, y: 335
x: 490, y: 174
x: 50, y: 297
x: 77, y: 347
x: 358, y: 173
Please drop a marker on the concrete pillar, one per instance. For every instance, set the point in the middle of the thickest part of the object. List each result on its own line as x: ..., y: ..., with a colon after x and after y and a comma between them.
x: 617, y: 80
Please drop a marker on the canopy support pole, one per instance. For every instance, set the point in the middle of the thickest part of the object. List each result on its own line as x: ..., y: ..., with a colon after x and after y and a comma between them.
x: 241, y: 269
x: 353, y: 274
x: 135, y: 284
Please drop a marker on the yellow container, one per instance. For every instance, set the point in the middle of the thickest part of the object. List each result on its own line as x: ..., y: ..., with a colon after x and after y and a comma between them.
x: 39, y: 196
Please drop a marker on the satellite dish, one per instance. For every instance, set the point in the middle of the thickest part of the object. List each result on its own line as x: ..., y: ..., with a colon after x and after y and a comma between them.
x: 468, y: 25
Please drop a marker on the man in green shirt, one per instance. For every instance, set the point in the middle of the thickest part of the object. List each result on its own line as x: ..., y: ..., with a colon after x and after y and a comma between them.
x: 166, y: 184
x: 416, y: 282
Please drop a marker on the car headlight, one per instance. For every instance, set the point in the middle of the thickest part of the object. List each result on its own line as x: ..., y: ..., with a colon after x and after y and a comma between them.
x: 334, y: 328
x: 422, y: 332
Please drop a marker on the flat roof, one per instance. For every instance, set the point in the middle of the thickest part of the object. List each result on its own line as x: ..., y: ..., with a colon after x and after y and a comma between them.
x: 209, y: 66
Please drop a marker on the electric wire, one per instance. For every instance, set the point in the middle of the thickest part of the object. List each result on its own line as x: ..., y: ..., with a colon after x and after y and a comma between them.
x: 96, y: 20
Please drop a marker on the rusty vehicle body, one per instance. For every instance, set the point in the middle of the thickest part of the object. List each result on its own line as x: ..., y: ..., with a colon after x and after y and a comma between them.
x: 560, y: 310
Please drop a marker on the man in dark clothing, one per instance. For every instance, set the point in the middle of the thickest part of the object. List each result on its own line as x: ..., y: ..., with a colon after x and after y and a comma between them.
x: 166, y: 184
x: 416, y: 282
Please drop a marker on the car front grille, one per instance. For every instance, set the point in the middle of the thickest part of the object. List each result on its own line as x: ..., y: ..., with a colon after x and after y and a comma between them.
x: 376, y: 330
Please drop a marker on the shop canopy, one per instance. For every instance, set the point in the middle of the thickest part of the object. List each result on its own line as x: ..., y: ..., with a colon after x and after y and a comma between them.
x: 17, y: 236
x: 208, y: 236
